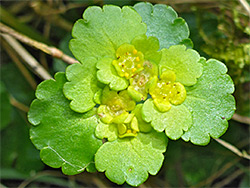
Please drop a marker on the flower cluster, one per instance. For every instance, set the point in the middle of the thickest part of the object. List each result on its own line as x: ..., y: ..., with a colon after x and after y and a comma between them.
x: 138, y: 83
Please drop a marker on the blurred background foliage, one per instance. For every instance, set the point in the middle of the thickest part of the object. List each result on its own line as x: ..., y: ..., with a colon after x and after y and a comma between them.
x: 219, y: 29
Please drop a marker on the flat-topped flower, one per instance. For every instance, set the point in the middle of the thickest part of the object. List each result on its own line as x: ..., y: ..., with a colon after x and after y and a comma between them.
x: 129, y: 61
x: 138, y: 83
x: 166, y: 91
x: 115, y: 107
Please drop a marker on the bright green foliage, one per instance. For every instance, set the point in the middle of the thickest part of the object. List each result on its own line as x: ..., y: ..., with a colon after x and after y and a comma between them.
x: 210, y: 102
x: 149, y: 46
x: 131, y: 159
x: 143, y: 125
x: 108, y: 131
x: 5, y: 107
x: 129, y: 127
x: 82, y: 85
x: 65, y: 138
x: 102, y: 31
x: 139, y: 83
x: 183, y: 62
x: 163, y: 23
x: 130, y: 62
x: 174, y: 122
x: 108, y: 75
x: 89, y: 117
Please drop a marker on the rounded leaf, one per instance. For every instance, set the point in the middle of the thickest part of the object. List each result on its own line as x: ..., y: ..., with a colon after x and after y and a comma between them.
x: 163, y: 23
x: 108, y: 131
x: 108, y: 75
x: 131, y: 159
x: 149, y: 46
x: 66, y: 138
x: 102, y: 31
x: 175, y: 121
x: 210, y: 102
x: 81, y: 86
x: 183, y: 62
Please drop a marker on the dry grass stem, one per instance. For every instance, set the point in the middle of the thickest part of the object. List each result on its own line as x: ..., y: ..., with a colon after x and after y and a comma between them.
x: 232, y: 148
x: 18, y: 105
x: 241, y: 119
x: 53, y: 51
x: 28, y: 59
x: 19, y: 64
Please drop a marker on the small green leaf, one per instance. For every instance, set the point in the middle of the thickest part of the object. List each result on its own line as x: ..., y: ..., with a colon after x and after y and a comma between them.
x: 5, y: 107
x: 102, y: 31
x: 82, y: 85
x: 131, y: 159
x: 183, y: 62
x: 149, y: 46
x: 108, y: 75
x: 143, y: 125
x: 163, y: 23
x: 210, y: 102
x: 188, y: 43
x: 175, y: 121
x: 108, y: 131
x: 66, y: 138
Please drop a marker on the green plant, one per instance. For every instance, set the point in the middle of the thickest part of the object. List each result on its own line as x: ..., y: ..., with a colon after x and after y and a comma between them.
x: 138, y: 83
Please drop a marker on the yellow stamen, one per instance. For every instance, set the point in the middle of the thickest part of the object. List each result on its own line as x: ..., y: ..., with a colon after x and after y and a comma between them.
x: 128, y: 131
x: 133, y: 69
x: 137, y: 59
x: 134, y: 51
x: 139, y: 66
x: 126, y: 74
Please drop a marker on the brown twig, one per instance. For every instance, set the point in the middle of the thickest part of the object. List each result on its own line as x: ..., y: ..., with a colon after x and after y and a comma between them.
x: 19, y: 64
x: 50, y: 15
x: 241, y: 119
x: 18, y: 105
x: 54, y: 52
x: 232, y: 148
x: 28, y: 59
x: 2, y: 186
x: 246, y: 6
